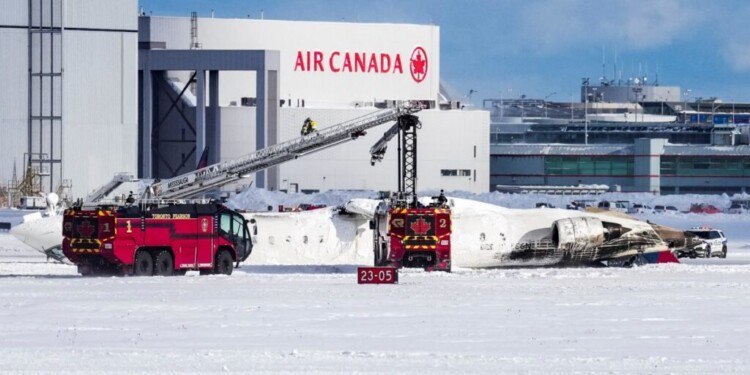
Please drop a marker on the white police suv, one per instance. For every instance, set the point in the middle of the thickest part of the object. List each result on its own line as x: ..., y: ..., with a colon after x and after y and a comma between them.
x: 714, y: 242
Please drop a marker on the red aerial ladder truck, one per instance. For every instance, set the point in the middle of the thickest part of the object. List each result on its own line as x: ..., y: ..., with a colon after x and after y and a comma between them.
x: 407, y: 233
x: 160, y: 232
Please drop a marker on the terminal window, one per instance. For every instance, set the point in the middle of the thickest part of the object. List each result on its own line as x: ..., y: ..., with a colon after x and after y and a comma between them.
x: 455, y: 172
x: 711, y: 166
x: 576, y: 165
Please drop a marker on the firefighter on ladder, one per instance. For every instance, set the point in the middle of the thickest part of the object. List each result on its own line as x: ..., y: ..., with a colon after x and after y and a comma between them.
x: 309, y: 126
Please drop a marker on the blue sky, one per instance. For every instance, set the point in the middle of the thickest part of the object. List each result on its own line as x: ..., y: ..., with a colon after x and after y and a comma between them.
x: 539, y: 47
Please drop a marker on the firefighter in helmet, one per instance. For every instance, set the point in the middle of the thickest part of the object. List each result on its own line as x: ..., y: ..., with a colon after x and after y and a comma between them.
x: 130, y: 200
x: 309, y: 126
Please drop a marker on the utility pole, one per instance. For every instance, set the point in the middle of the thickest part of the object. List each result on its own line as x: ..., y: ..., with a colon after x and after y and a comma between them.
x: 586, y: 119
x: 586, y: 110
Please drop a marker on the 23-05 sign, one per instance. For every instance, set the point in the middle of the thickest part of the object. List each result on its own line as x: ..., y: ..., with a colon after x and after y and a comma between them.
x: 377, y: 275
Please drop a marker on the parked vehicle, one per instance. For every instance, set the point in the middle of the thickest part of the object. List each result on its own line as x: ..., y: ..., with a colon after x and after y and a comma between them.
x: 621, y: 206
x: 544, y: 205
x: 703, y: 208
x: 581, y: 204
x: 714, y: 243
x: 642, y: 208
x: 661, y: 209
x: 738, y: 208
x: 627, y: 206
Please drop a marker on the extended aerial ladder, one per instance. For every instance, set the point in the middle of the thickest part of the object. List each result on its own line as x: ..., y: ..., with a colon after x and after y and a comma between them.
x: 214, y: 176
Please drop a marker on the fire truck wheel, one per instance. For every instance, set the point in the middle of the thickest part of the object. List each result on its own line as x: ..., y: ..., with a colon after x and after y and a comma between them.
x: 224, y: 263
x: 144, y: 264
x: 164, y: 264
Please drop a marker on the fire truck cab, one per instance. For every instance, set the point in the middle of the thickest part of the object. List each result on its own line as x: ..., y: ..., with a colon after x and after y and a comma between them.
x: 168, y: 240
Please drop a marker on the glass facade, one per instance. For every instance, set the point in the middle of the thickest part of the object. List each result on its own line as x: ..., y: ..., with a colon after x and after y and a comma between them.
x: 575, y: 133
x: 575, y: 165
x: 709, y: 166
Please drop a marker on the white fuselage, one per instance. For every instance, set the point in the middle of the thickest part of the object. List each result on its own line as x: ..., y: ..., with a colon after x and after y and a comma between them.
x: 482, y: 234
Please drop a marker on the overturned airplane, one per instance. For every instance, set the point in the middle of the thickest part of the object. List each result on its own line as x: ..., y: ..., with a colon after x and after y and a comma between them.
x: 484, y: 236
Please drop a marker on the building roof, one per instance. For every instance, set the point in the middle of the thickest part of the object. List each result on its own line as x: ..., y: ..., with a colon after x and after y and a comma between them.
x: 706, y: 150
x: 522, y: 149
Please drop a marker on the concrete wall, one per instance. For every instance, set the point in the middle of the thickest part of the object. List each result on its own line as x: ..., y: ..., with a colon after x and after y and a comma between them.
x: 647, y: 164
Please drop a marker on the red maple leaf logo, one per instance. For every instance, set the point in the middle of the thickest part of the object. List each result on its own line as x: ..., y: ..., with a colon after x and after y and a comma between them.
x: 420, y: 226
x: 418, y: 64
x: 85, y: 229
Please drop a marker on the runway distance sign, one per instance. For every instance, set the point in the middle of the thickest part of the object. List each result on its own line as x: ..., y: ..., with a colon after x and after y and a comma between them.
x: 377, y: 275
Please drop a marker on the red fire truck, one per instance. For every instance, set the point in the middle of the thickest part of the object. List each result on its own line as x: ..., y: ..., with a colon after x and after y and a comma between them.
x: 415, y: 237
x: 143, y: 241
x: 407, y: 233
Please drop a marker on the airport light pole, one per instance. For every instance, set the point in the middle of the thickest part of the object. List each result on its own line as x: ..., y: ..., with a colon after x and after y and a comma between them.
x: 585, y: 84
x: 636, y: 91
x: 586, y: 119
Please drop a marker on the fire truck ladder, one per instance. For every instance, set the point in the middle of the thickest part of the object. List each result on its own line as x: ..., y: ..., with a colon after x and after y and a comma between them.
x: 406, y: 129
x: 213, y: 176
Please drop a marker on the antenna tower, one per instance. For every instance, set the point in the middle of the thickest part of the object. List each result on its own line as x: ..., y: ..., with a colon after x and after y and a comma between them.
x: 194, y: 31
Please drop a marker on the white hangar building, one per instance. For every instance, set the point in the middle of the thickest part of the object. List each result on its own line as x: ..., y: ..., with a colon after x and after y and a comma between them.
x: 69, y: 101
x: 121, y: 104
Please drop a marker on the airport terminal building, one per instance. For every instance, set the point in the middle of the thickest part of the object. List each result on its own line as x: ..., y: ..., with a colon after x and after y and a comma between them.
x: 99, y: 89
x: 654, y: 143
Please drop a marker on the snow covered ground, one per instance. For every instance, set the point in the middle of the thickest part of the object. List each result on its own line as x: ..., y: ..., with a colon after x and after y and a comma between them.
x: 678, y: 318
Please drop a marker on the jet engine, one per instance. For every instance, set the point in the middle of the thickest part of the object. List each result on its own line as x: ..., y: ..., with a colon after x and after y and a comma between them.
x: 581, y: 233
